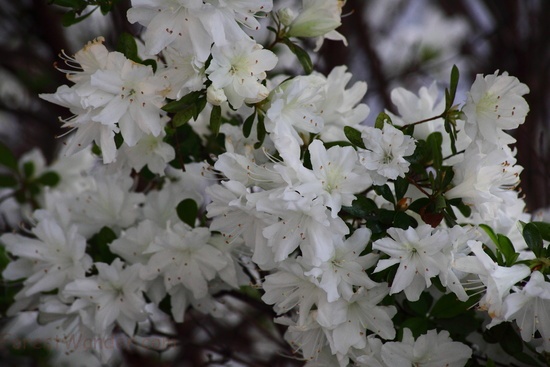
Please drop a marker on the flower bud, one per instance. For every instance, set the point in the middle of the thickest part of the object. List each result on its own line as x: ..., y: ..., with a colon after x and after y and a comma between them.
x: 215, y: 96
x: 286, y: 16
x: 317, y: 18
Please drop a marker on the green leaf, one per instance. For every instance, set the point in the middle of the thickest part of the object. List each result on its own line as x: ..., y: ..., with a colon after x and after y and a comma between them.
x: 216, y: 119
x: 450, y: 97
x: 362, y: 207
x: 70, y: 17
x: 434, y: 141
x: 28, y: 169
x: 99, y: 245
x: 544, y: 229
x: 507, y: 248
x: 182, y: 117
x: 151, y: 63
x: 401, y: 185
x: 450, y: 306
x: 403, y: 220
x: 492, y: 235
x: 301, y: 54
x: 187, y: 211
x: 49, y: 179
x: 7, y: 159
x: 385, y: 192
x: 422, y: 306
x: 247, y: 126
x: 417, y: 325
x: 260, y: 131
x: 354, y: 136
x: 183, y: 103
x: 381, y: 119
x: 533, y: 238
x: 7, y: 181
x: 128, y: 46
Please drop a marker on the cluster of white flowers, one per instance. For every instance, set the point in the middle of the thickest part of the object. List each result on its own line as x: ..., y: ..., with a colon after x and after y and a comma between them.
x: 109, y: 243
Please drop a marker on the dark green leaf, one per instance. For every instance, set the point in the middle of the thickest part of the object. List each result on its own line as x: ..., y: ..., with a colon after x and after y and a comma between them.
x: 49, y: 179
x: 183, y: 116
x: 417, y: 325
x: 385, y: 192
x: 7, y: 159
x: 187, y: 211
x: 382, y: 119
x: 492, y: 235
x: 449, y: 306
x: 544, y: 229
x: 434, y: 141
x: 301, y: 54
x: 354, y: 136
x: 418, y: 204
x: 422, y: 306
x: 260, y: 131
x: 128, y: 46
x: 403, y: 220
x: 28, y: 169
x: 70, y: 17
x: 452, y: 86
x: 362, y: 207
x: 216, y: 119
x: 507, y: 248
x: 99, y: 245
x: 7, y: 181
x: 184, y: 102
x: 533, y: 238
x: 247, y: 126
x: 151, y: 63
x: 401, y: 185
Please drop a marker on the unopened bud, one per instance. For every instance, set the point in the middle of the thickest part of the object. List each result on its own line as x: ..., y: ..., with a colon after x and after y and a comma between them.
x: 215, y: 96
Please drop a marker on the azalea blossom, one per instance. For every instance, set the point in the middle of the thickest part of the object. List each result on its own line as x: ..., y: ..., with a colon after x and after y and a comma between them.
x: 385, y: 155
x: 432, y: 349
x: 495, y: 103
x: 117, y: 293
x: 529, y: 307
x: 420, y: 253
x: 238, y: 69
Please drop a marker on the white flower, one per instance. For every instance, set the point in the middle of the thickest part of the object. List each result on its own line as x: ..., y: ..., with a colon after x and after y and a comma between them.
x: 386, y: 152
x: 289, y: 287
x: 529, y: 307
x: 429, y: 350
x: 346, y: 268
x: 340, y: 174
x: 117, y: 293
x: 495, y: 104
x: 295, y: 107
x: 304, y: 222
x: 348, y: 321
x: 486, y: 180
x: 238, y: 69
x: 498, y: 280
x: 420, y: 254
x: 150, y: 151
x: 341, y: 106
x: 183, y: 256
x: 56, y: 257
x: 108, y: 202
x: 130, y: 95
x: 318, y: 18
x: 194, y: 24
